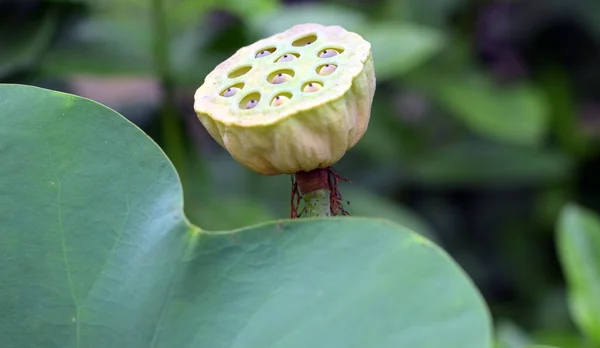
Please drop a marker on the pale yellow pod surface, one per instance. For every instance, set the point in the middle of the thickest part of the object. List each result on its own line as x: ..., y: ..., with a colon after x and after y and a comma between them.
x: 312, y: 129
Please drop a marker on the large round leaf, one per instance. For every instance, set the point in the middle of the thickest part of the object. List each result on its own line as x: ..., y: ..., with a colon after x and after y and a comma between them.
x: 95, y: 252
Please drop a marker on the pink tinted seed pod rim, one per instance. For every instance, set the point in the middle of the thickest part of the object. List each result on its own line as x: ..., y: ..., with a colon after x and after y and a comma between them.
x: 226, y: 110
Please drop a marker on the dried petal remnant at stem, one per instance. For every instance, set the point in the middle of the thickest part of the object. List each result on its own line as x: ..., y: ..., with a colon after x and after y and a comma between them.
x: 317, y: 181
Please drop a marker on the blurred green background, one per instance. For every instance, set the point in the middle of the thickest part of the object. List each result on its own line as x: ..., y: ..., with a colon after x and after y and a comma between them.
x: 486, y: 119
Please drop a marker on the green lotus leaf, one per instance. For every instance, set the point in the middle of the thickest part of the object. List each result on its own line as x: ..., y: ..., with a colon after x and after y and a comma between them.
x: 96, y: 252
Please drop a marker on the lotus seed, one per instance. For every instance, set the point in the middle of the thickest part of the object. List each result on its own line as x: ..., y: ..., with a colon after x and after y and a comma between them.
x: 286, y: 58
x: 263, y: 54
x: 230, y: 92
x: 312, y: 87
x: 327, y: 69
x: 328, y: 53
x: 280, y: 99
x: 281, y: 78
x: 251, y: 104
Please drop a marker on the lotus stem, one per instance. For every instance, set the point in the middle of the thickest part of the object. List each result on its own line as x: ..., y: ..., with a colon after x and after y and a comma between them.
x: 315, y: 188
x: 317, y: 203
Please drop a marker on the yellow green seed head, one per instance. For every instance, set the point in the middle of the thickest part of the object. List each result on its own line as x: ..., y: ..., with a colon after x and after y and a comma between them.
x: 295, y: 101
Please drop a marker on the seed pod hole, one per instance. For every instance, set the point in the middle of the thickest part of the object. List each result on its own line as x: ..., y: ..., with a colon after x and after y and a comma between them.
x: 329, y: 52
x: 280, y: 76
x: 326, y: 69
x: 265, y: 52
x: 250, y: 101
x: 281, y: 99
x: 310, y: 87
x: 232, y: 90
x: 287, y: 57
x: 305, y: 40
x: 239, y: 71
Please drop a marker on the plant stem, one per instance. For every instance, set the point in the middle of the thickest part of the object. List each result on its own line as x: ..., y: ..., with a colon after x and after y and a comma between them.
x: 317, y: 203
x: 314, y: 187
x: 172, y: 134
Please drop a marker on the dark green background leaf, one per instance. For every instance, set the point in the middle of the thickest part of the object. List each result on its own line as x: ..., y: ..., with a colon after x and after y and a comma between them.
x: 271, y: 23
x: 23, y: 42
x: 472, y: 163
x: 514, y: 114
x: 579, y: 250
x: 97, y: 47
x: 397, y: 47
x: 509, y: 335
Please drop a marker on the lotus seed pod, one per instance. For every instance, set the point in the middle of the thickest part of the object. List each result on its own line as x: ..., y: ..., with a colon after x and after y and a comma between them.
x: 304, y: 98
